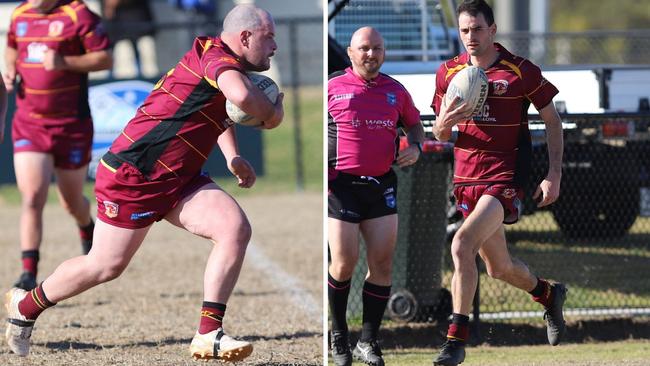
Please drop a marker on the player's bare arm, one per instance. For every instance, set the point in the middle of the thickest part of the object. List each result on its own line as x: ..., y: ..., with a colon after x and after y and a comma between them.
x: 450, y: 116
x: 239, y: 90
x: 410, y: 155
x: 9, y: 74
x: 91, y: 61
x: 239, y: 166
x: 549, y: 188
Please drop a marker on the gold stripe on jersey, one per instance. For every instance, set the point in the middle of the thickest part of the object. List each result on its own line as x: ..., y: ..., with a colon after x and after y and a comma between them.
x: 480, y: 150
x: 128, y: 137
x: 40, y: 39
x: 107, y: 166
x: 51, y: 91
x: 536, y: 89
x: 515, y: 97
x: 69, y: 11
x: 190, y: 70
x: 171, y: 95
x: 487, y: 124
x: 514, y: 67
x: 491, y: 177
x: 166, y: 167
x: 453, y: 70
x: 51, y: 115
x: 34, y: 66
x: 192, y: 146
x: 20, y: 10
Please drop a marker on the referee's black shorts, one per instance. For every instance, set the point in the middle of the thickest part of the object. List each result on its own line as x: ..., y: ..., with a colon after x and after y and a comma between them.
x: 353, y: 198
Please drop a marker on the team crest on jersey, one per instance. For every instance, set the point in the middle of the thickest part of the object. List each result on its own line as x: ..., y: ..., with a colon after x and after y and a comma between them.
x: 55, y: 29
x: 391, y: 98
x: 391, y: 201
x: 509, y: 193
x: 111, y: 209
x: 500, y: 86
x: 21, y: 29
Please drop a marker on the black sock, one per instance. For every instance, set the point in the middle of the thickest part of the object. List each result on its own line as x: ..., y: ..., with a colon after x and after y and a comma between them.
x: 337, y: 296
x: 539, y: 289
x: 375, y: 298
x: 459, y: 328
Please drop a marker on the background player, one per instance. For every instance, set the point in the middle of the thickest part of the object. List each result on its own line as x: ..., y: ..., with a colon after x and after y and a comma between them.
x: 365, y: 109
x: 51, y: 47
x: 491, y: 156
x: 153, y: 171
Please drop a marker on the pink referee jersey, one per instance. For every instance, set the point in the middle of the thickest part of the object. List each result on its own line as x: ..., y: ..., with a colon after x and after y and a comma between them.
x: 60, y: 96
x: 363, y: 121
x: 494, y: 146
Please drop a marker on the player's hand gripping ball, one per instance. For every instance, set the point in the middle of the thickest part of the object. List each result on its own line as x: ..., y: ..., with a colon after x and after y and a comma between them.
x: 471, y: 85
x: 266, y: 85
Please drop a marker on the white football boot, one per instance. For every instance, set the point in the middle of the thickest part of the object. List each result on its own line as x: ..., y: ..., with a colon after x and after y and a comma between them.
x: 218, y: 345
x: 19, y: 328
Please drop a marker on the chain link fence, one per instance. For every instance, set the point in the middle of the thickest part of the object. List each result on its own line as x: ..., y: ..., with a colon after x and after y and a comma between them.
x: 625, y: 47
x: 595, y: 239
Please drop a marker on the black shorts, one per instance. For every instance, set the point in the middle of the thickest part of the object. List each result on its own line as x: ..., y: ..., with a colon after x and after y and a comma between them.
x: 354, y: 198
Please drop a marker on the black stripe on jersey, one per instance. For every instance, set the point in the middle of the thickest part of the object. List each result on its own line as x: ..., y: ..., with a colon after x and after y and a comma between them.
x: 335, y: 74
x: 332, y: 137
x: 144, y: 152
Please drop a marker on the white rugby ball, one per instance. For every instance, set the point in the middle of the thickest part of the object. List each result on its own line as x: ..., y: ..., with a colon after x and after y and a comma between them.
x: 266, y: 85
x: 471, y: 85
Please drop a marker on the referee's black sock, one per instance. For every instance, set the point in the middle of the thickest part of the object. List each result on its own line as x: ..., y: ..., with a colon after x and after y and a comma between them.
x: 337, y: 296
x: 375, y: 298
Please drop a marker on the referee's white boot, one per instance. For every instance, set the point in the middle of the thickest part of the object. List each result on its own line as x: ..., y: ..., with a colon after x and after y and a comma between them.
x: 19, y: 328
x: 218, y: 345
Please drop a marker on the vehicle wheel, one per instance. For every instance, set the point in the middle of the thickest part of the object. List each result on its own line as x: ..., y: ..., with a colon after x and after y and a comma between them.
x: 402, y: 306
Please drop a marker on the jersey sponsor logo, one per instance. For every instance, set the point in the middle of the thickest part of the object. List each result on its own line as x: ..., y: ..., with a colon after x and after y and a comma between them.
x: 75, y: 156
x: 463, y: 207
x: 345, y: 96
x: 391, y: 98
x: 500, y: 87
x: 142, y: 215
x: 55, y: 29
x: 373, y: 124
x: 35, y: 52
x: 21, y: 29
x: 111, y: 209
x: 22, y: 143
x: 391, y: 201
x: 389, y: 190
x: 509, y: 193
x: 355, y: 123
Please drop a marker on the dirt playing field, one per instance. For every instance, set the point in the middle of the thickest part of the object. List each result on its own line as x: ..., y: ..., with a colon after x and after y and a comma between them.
x: 149, y: 315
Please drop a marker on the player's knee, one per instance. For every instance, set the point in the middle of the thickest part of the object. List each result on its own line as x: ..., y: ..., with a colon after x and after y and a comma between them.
x: 111, y: 271
x: 461, y: 253
x: 498, y: 271
x: 342, y: 269
x: 382, y: 265
x: 33, y: 201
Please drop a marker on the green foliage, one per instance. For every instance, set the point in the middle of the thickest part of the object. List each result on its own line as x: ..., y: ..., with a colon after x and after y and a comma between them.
x: 582, y: 15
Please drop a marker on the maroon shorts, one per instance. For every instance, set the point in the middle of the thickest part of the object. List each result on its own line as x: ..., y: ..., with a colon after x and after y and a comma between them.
x: 126, y: 199
x: 510, y: 196
x: 69, y: 144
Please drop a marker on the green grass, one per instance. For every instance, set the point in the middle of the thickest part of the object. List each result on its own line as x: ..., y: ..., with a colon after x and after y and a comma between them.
x: 606, y: 353
x: 279, y: 154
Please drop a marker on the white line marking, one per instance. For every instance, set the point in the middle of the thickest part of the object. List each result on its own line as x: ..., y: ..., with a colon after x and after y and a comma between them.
x: 297, y: 294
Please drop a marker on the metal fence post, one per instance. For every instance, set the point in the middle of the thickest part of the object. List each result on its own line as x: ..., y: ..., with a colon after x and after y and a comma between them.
x: 295, y: 77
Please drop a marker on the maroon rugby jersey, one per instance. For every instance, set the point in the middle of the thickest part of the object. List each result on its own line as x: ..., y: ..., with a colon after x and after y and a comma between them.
x: 363, y: 121
x: 59, y: 96
x: 177, y: 126
x: 494, y: 146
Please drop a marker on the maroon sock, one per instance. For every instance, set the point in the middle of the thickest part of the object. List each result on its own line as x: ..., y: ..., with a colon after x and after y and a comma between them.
x: 30, y: 261
x: 34, y: 303
x: 86, y: 232
x: 459, y: 328
x: 542, y: 293
x: 211, y: 316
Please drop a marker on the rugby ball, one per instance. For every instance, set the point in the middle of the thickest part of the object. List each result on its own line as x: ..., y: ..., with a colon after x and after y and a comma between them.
x: 266, y: 85
x: 471, y: 85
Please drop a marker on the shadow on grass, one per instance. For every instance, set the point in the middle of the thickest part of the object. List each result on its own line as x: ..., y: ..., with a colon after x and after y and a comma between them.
x: 505, y: 334
x: 67, y: 345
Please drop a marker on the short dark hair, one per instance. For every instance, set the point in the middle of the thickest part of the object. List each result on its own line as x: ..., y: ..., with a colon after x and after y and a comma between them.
x: 474, y: 7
